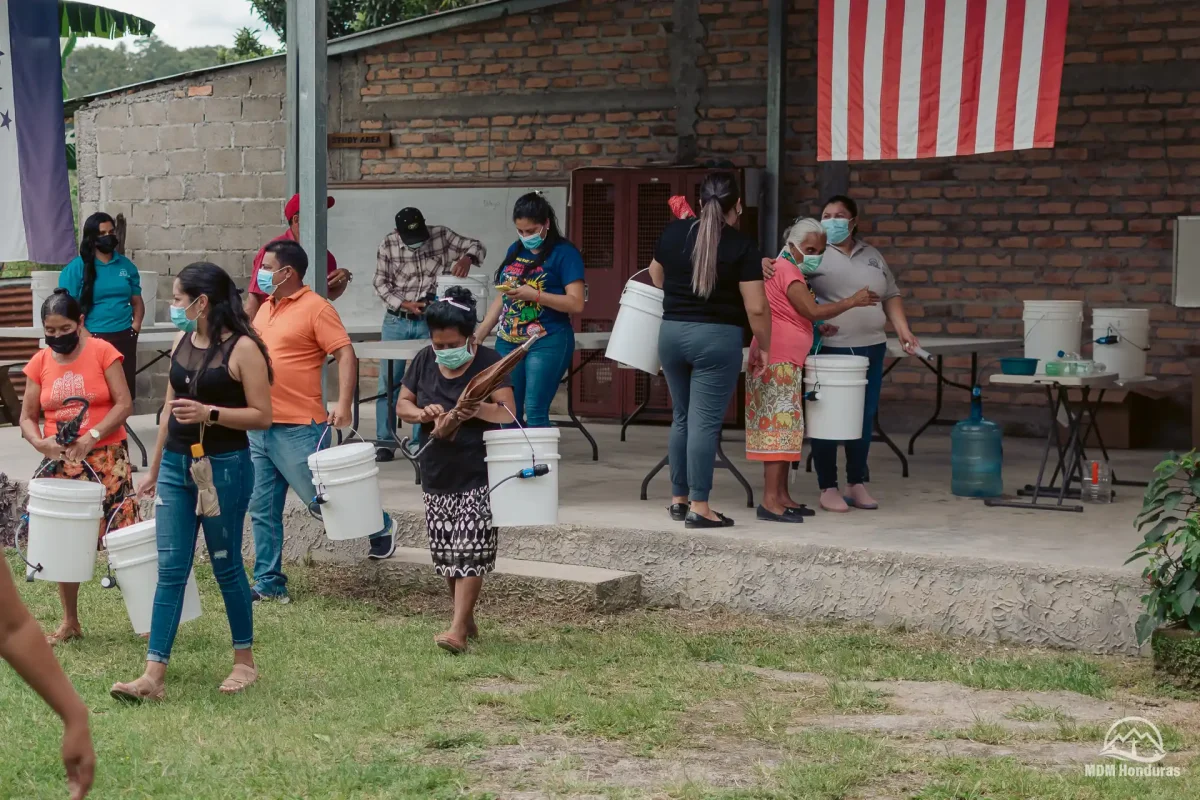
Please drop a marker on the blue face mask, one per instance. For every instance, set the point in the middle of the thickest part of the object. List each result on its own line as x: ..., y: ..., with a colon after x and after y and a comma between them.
x: 453, y: 357
x: 836, y: 230
x: 179, y: 317
x: 266, y: 281
x: 533, y: 242
x: 811, y: 264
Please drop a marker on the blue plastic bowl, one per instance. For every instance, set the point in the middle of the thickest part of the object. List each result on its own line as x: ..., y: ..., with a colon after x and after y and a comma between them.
x: 1018, y: 366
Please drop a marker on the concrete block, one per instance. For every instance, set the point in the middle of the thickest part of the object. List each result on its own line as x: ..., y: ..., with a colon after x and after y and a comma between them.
x: 185, y: 162
x: 109, y: 140
x: 168, y: 188
x: 113, y: 116
x: 228, y: 260
x: 232, y: 84
x: 268, y: 81
x: 164, y: 238
x: 129, y: 188
x: 112, y: 164
x: 186, y: 212
x: 211, y: 135
x: 263, y: 212
x: 255, y: 134
x: 177, y: 137
x: 149, y: 112
x: 135, y: 237
x: 266, y: 159
x: 262, y: 109
x: 239, y: 186
x: 205, y: 237
x: 178, y: 260
x: 549, y: 584
x: 223, y: 212
x: 144, y: 140
x: 148, y: 214
x: 223, y: 109
x: 153, y: 261
x: 275, y: 185
x: 149, y: 164
x: 225, y: 161
x: 185, y: 112
x: 203, y: 187
x: 244, y: 238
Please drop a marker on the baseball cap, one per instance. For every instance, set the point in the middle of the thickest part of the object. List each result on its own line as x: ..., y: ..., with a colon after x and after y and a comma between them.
x: 293, y: 207
x: 410, y: 223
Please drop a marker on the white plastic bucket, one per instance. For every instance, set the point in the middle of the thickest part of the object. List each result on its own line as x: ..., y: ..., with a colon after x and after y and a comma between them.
x: 479, y: 284
x: 347, y: 478
x: 522, y: 502
x: 133, y: 556
x: 840, y: 384
x: 149, y: 282
x: 1131, y: 326
x: 41, y: 285
x: 634, y: 340
x: 64, y: 528
x: 1052, y: 326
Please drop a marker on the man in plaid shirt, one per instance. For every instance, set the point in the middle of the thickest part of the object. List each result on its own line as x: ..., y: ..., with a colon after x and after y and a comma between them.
x: 408, y: 265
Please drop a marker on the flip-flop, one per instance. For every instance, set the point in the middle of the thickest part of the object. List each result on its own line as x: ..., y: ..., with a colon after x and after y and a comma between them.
x: 136, y: 692
x: 56, y: 638
x: 450, y: 644
x: 241, y: 678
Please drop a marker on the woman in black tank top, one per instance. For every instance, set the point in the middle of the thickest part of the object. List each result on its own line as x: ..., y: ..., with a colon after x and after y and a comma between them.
x: 219, y: 388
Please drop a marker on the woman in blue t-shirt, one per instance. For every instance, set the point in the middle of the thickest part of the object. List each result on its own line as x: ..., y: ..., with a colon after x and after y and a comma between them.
x: 541, y: 285
x: 107, y: 285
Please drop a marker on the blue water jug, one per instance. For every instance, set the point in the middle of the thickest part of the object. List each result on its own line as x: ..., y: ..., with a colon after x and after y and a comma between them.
x: 976, y: 454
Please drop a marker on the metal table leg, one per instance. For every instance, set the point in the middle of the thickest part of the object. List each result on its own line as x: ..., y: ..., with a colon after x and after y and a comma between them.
x: 722, y: 462
x: 1069, y: 452
x: 574, y: 420
x: 138, y: 442
x: 880, y: 435
x: 643, y: 380
x: 937, y: 408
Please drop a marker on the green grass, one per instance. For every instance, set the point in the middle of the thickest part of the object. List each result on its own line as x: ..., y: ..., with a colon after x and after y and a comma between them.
x: 356, y: 702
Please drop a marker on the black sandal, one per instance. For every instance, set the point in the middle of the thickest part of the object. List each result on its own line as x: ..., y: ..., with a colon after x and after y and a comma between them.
x: 800, y: 511
x: 694, y: 520
x: 678, y: 511
x: 764, y: 514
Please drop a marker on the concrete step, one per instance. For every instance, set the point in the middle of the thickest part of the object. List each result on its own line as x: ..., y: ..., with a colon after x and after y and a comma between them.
x: 556, y: 584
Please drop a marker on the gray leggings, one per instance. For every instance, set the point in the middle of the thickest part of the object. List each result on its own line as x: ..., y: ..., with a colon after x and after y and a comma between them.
x: 701, y: 362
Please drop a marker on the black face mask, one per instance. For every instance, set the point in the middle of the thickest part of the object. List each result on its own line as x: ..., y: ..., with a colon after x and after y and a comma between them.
x: 63, y: 344
x: 106, y: 244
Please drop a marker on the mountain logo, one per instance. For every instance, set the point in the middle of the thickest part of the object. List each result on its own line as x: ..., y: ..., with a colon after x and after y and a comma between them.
x: 1134, y: 739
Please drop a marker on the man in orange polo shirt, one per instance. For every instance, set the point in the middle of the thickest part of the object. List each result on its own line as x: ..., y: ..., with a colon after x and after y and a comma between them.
x: 301, y: 330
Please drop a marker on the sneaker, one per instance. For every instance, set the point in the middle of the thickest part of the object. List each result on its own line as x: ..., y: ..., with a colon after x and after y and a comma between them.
x: 258, y: 597
x: 384, y: 455
x: 384, y: 546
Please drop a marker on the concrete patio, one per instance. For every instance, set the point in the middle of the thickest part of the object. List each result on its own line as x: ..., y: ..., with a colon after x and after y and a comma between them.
x: 926, y: 560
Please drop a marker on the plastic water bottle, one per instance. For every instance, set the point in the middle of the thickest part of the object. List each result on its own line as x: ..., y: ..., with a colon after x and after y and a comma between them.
x: 976, y: 454
x: 1097, y: 483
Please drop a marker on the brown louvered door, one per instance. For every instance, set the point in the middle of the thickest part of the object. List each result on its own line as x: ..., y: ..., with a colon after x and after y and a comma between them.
x: 599, y: 230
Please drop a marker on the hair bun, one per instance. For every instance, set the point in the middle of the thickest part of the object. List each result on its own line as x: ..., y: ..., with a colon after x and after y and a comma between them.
x: 60, y: 290
x: 461, y: 294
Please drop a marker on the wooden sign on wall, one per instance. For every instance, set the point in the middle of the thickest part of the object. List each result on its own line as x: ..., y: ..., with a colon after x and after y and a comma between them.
x: 351, y: 141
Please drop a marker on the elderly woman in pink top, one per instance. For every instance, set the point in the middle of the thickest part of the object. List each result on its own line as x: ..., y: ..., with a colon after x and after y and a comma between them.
x: 774, y: 398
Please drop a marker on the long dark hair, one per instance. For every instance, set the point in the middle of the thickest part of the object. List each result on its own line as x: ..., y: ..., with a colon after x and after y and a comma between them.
x: 225, y: 310
x: 60, y: 303
x: 87, y: 251
x: 536, y: 207
x: 718, y: 194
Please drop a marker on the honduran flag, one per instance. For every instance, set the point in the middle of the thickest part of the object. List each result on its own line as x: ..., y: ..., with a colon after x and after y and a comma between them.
x: 35, y: 196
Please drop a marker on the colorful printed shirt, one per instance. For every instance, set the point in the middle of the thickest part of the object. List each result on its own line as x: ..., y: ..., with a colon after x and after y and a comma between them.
x: 518, y: 319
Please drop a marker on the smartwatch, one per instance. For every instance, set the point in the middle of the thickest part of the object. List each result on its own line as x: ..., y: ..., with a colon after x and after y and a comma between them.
x: 214, y: 414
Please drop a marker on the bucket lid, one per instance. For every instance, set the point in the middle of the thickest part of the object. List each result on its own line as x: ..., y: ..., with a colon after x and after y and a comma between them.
x: 1121, y: 313
x: 837, y: 362
x: 1050, y: 305
x: 66, y: 490
x: 131, y: 536
x: 531, y: 434
x: 645, y: 289
x: 345, y: 455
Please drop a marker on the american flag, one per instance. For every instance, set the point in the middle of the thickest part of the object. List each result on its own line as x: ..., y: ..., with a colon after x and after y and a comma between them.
x: 901, y: 79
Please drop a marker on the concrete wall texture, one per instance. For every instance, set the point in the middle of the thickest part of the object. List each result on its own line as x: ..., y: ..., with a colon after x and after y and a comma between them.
x: 197, y: 167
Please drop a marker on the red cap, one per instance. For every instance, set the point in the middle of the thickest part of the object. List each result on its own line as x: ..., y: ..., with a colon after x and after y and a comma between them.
x: 293, y: 207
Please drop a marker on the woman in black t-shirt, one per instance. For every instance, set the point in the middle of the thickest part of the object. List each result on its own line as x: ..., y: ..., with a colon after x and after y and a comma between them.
x: 454, y: 477
x: 711, y: 277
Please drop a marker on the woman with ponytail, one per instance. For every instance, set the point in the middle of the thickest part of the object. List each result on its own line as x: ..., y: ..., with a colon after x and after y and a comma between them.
x: 108, y: 288
x: 541, y: 285
x: 219, y: 388
x: 712, y: 280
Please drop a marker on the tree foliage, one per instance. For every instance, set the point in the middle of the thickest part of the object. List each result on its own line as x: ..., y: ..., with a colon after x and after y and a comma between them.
x: 352, y: 16
x: 85, y: 19
x: 95, y: 69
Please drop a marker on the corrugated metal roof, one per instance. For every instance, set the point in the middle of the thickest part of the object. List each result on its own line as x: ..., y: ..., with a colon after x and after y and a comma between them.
x: 409, y: 29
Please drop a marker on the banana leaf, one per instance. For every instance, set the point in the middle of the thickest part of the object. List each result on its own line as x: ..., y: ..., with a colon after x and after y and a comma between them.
x: 85, y: 19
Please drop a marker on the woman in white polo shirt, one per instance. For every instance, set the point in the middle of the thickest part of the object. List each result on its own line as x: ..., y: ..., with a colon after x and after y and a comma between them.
x: 850, y: 264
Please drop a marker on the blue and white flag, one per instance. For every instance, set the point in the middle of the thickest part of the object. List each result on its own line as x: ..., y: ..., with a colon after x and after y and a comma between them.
x: 35, y: 196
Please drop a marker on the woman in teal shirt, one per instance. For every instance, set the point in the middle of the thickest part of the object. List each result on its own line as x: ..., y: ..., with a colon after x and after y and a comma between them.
x: 107, y: 285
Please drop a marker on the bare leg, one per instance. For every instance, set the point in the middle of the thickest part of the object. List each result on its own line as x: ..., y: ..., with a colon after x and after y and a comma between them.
x: 465, y: 596
x: 70, y: 628
x: 472, y: 628
x: 775, y: 496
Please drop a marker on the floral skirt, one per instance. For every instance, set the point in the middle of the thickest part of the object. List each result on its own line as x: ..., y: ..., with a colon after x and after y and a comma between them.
x: 462, y: 539
x: 111, y: 465
x: 775, y: 413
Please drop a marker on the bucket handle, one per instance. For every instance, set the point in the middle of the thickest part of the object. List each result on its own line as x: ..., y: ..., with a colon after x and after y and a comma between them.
x: 1116, y: 334
x: 634, y: 275
x: 314, y: 505
x: 109, y: 581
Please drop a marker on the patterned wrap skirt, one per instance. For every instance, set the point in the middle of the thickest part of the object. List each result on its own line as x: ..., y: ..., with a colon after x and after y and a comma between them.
x: 111, y: 465
x: 462, y: 539
x: 775, y: 413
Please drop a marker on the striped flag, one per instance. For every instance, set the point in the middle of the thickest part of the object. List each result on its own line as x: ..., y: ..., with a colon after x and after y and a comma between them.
x: 36, y: 223
x: 901, y: 79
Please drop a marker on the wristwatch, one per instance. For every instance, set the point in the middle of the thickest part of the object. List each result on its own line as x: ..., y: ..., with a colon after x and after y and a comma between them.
x: 214, y: 414
x: 95, y: 434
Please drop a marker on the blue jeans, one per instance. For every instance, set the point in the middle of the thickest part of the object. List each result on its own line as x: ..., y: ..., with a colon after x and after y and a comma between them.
x: 535, y: 380
x: 395, y: 329
x: 825, y: 451
x: 701, y: 362
x: 177, y: 527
